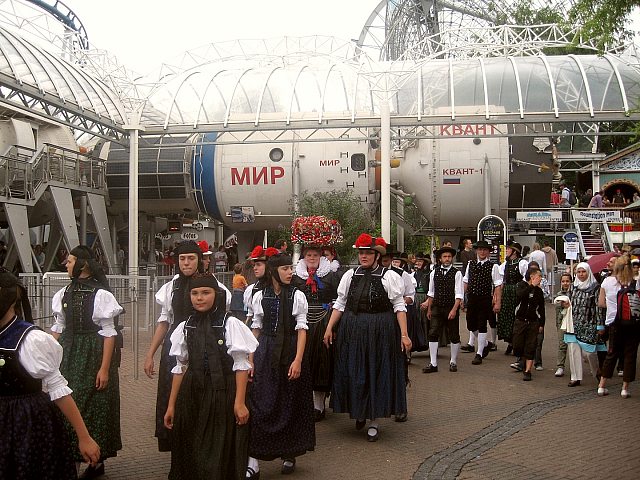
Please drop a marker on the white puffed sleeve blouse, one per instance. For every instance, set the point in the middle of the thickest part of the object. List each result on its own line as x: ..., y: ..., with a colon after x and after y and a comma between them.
x: 238, y: 338
x: 105, y: 309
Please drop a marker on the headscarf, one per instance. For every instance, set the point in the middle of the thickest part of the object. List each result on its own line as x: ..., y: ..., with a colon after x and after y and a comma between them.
x: 84, y: 257
x: 13, y: 292
x: 589, y: 282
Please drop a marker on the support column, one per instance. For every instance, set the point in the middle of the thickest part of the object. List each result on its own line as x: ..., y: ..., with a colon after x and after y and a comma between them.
x: 399, y: 229
x: 19, y: 228
x: 487, y: 187
x: 63, y: 204
x: 83, y: 219
x: 134, y: 129
x: 101, y: 221
x: 385, y: 167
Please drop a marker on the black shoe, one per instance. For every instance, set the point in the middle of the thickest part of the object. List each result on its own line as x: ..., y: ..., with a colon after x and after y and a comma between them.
x: 360, y: 424
x: 574, y: 383
x: 453, y: 367
x: 318, y: 415
x: 253, y: 475
x: 290, y: 468
x: 92, y: 472
x: 492, y: 347
x: 526, y: 376
x: 517, y: 366
x: 372, y: 437
x: 508, y: 350
x: 467, y: 348
x: 485, y: 351
x: 477, y: 360
x: 430, y: 369
x: 401, y: 418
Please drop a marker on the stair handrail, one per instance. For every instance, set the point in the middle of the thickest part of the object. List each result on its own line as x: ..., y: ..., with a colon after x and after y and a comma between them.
x: 576, y: 224
x: 606, y: 237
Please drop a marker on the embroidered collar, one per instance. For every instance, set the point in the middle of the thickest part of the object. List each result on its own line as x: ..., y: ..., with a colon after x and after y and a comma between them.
x: 323, y: 269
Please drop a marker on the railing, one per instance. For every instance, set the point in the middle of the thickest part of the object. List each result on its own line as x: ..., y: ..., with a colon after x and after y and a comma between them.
x: 576, y: 224
x: 24, y: 170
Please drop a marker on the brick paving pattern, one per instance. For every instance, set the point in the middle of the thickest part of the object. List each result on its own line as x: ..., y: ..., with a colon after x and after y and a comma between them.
x: 482, y: 422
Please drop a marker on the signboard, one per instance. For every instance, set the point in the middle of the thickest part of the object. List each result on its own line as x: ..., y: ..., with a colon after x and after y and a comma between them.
x: 242, y: 215
x: 539, y: 216
x: 189, y: 236
x: 571, y: 245
x: 570, y: 237
x: 493, y: 230
x: 597, y: 215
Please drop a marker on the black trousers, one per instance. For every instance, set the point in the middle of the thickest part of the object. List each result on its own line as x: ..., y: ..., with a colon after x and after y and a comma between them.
x: 623, y: 340
x: 440, y: 321
x: 525, y: 338
x: 479, y: 312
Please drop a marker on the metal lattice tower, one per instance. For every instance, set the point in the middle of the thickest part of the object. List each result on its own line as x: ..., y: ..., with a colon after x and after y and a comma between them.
x: 420, y: 29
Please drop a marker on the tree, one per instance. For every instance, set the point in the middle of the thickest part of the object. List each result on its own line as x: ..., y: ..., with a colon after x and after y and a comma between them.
x: 341, y: 205
x: 603, y: 20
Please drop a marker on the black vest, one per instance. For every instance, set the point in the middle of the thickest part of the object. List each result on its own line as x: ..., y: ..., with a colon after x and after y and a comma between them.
x: 444, y: 287
x: 77, y: 304
x: 279, y: 324
x: 422, y: 280
x: 205, y: 335
x: 480, y: 280
x: 14, y: 379
x: 512, y: 273
x: 366, y: 293
x: 326, y: 292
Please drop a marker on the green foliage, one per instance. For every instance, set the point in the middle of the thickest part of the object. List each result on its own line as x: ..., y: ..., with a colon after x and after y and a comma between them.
x: 341, y: 205
x: 603, y: 20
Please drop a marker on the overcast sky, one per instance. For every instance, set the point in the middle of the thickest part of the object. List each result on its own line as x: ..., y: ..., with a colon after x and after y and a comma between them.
x: 143, y: 33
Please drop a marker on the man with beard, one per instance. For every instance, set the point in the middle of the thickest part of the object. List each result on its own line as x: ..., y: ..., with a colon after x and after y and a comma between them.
x: 445, y: 296
x: 512, y: 271
x: 175, y: 301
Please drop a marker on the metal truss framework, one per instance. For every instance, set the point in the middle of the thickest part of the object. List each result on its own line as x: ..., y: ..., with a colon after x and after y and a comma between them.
x: 19, y: 100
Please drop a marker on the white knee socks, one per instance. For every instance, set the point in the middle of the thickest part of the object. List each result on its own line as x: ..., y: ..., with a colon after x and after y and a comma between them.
x: 253, y: 464
x: 455, y: 348
x: 433, y: 353
x: 318, y: 400
x: 493, y: 335
x: 482, y: 342
x: 472, y: 338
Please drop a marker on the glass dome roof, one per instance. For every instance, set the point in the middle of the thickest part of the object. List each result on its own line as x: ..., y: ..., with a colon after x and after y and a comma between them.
x: 266, y: 90
x: 34, y: 71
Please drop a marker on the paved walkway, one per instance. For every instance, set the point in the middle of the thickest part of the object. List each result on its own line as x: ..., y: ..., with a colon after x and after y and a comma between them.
x: 482, y: 422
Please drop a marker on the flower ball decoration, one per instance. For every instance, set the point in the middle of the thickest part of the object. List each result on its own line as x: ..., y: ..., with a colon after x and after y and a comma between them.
x: 316, y: 230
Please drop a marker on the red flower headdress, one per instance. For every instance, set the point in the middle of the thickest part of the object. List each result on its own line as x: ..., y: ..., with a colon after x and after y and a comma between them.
x: 316, y: 230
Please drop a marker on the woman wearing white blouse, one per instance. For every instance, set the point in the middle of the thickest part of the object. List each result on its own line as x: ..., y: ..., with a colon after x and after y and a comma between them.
x: 207, y: 409
x: 84, y: 314
x: 281, y: 396
x: 370, y: 340
x: 35, y: 442
x: 624, y: 337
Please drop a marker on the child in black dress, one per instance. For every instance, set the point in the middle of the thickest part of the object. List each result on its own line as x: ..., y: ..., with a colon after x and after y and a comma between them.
x: 34, y: 443
x: 207, y: 410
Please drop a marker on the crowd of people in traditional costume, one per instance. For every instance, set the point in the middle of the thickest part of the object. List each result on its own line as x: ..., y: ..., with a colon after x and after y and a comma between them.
x: 244, y: 375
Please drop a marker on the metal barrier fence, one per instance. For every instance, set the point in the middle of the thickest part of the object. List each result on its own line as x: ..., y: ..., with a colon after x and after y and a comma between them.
x: 135, y: 294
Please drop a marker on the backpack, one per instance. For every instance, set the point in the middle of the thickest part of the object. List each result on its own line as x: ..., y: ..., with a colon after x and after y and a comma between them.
x: 628, y: 302
x: 572, y: 198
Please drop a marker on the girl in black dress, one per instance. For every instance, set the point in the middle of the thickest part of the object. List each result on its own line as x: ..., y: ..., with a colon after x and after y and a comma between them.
x: 280, y: 399
x: 35, y: 443
x: 207, y: 410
